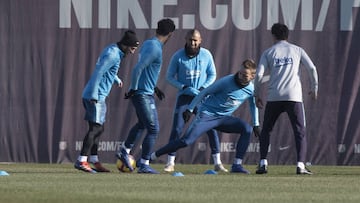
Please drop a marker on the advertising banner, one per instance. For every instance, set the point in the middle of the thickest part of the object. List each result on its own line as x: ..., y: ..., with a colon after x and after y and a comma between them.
x: 49, y: 49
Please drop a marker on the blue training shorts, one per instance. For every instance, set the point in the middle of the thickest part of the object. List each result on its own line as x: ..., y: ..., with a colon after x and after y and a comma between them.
x: 95, y: 111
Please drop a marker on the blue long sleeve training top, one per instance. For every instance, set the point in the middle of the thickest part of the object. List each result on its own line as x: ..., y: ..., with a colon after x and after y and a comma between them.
x: 195, y: 72
x: 146, y: 72
x: 225, y: 97
x: 105, y: 74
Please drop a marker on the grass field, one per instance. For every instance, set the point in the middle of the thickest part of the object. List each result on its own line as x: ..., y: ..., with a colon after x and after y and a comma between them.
x: 38, y: 183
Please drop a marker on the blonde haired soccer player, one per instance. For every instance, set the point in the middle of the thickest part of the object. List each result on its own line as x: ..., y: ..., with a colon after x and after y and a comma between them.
x: 223, y: 97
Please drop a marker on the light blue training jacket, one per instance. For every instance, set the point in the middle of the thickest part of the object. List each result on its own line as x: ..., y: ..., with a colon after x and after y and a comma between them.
x: 195, y: 72
x: 105, y: 74
x: 224, y: 97
x: 146, y: 72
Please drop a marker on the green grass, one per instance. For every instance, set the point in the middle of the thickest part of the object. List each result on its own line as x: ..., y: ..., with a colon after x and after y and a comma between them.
x: 62, y: 183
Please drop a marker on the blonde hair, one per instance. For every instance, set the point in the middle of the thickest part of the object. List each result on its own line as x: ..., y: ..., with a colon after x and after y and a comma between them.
x: 249, y: 64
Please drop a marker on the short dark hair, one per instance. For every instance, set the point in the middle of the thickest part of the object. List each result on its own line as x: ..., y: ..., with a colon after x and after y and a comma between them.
x: 165, y: 26
x: 280, y: 31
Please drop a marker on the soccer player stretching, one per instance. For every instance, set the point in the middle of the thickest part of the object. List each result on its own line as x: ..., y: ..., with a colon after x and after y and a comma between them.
x: 223, y: 97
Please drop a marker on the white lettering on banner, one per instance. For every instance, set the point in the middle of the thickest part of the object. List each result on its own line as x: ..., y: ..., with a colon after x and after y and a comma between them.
x: 253, y: 147
x: 82, y: 9
x: 110, y: 146
x: 107, y: 146
x: 105, y: 14
x: 157, y: 11
x: 238, y: 14
x: 134, y: 9
x: 202, y: 146
x: 78, y: 145
x: 227, y: 147
x: 357, y: 148
x: 206, y: 19
x: 346, y: 14
x: 341, y: 148
x: 216, y: 20
x: 62, y: 145
x: 231, y: 147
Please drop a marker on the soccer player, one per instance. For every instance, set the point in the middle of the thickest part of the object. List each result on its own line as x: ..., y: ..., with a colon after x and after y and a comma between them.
x: 224, y: 96
x: 282, y: 61
x: 94, y: 95
x: 190, y: 70
x: 143, y: 85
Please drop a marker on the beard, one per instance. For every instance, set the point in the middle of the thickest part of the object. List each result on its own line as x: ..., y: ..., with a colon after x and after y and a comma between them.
x: 192, y: 52
x: 240, y: 82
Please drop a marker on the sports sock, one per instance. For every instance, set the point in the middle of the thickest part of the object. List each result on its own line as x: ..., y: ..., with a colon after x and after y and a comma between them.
x: 216, y: 158
x: 82, y: 158
x: 171, y: 160
x: 263, y: 162
x: 237, y: 161
x: 301, y: 165
x: 153, y: 156
x: 144, y: 161
x: 93, y: 158
x: 126, y: 149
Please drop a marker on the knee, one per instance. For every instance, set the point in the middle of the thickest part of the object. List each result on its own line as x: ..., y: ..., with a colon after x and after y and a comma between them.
x: 154, y: 129
x: 184, y: 143
x: 95, y: 130
x: 248, y: 130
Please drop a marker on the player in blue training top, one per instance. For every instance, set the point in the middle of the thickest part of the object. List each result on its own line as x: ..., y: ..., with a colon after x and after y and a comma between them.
x: 282, y: 61
x: 223, y: 97
x: 94, y: 95
x: 190, y: 70
x: 143, y: 85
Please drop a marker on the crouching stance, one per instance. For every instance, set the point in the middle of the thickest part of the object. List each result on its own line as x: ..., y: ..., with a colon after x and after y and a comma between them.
x: 223, y: 97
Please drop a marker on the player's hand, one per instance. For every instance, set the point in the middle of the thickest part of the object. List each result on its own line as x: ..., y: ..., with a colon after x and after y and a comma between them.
x: 257, y: 131
x: 120, y: 84
x: 160, y: 94
x: 259, y: 102
x: 187, y: 115
x: 191, y: 91
x: 129, y: 94
x: 313, y: 95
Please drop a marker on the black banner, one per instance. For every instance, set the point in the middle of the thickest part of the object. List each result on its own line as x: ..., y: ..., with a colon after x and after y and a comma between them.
x: 49, y: 49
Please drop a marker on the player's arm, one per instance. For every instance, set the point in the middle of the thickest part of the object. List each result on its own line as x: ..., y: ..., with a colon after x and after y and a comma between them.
x: 103, y: 64
x: 309, y: 65
x: 254, y: 111
x: 197, y: 99
x: 146, y: 57
x: 260, y: 70
x: 118, y: 81
x: 172, y: 72
x: 210, y: 72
